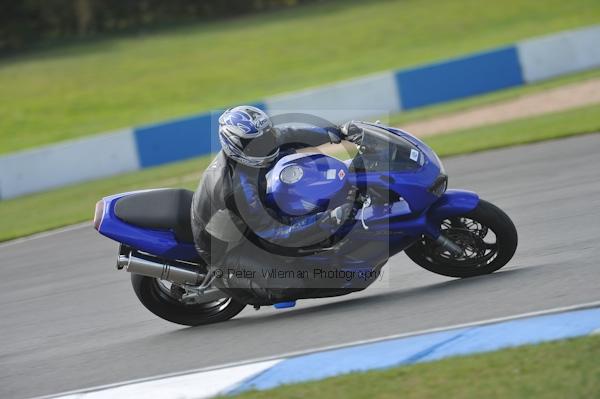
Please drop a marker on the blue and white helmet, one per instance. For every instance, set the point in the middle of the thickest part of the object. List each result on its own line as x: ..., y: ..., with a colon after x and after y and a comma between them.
x: 247, y: 136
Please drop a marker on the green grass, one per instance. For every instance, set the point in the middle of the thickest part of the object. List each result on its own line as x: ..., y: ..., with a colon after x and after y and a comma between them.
x: 521, y: 131
x: 563, y: 369
x: 65, y: 92
x: 43, y: 211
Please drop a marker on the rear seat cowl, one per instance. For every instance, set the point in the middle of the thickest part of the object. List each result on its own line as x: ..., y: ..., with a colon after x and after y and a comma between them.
x: 163, y: 209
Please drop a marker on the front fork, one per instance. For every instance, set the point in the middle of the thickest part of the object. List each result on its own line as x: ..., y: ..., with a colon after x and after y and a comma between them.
x: 451, y: 203
x: 449, y: 245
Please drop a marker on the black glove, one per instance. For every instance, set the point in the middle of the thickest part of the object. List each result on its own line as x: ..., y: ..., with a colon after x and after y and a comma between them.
x: 339, y: 215
x: 335, y: 134
x: 351, y: 132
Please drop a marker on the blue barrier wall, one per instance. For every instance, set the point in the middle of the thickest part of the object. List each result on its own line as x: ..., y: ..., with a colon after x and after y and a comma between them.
x: 179, y: 139
x: 376, y: 95
x: 459, y: 78
x: 173, y: 141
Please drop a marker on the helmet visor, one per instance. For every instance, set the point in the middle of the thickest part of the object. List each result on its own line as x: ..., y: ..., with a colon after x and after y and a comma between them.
x: 261, y: 146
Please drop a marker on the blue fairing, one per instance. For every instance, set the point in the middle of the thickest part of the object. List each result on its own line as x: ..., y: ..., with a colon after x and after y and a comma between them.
x: 452, y: 203
x: 325, y: 181
x: 323, y: 184
x: 161, y: 243
x: 399, y: 226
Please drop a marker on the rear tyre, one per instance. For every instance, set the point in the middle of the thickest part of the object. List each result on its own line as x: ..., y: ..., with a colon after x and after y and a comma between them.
x: 487, y: 236
x: 162, y: 302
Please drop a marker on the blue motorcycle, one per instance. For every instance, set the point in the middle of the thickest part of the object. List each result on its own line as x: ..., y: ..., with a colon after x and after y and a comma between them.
x: 397, y: 186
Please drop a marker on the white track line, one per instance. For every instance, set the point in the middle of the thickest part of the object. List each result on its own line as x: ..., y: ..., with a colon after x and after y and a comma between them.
x: 45, y: 234
x: 197, y: 385
x: 332, y: 347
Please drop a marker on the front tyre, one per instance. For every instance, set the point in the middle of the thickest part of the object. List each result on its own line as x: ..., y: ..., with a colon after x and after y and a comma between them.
x: 486, y: 235
x: 160, y: 300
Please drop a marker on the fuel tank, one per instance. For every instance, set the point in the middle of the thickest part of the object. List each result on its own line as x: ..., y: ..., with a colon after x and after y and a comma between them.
x: 301, y: 184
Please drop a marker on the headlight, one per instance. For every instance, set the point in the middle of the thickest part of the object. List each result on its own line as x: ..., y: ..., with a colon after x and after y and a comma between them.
x: 439, y: 186
x: 291, y: 174
x: 98, y: 214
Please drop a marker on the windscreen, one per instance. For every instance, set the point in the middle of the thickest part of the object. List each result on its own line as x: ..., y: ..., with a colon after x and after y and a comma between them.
x: 382, y: 150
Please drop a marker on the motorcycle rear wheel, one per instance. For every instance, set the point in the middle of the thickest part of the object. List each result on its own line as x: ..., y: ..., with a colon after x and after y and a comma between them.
x: 162, y: 303
x: 483, y: 253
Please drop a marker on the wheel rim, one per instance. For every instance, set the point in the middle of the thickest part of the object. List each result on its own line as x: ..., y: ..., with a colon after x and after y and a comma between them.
x: 478, y: 242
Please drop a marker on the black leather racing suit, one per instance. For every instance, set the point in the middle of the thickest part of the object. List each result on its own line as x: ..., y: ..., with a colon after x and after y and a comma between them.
x: 236, y: 234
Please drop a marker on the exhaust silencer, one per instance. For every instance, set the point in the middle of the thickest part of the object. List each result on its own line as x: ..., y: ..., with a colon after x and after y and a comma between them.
x: 180, y: 273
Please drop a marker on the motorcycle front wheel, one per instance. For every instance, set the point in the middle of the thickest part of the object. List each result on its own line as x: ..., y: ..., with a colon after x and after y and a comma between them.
x: 486, y: 235
x: 162, y: 300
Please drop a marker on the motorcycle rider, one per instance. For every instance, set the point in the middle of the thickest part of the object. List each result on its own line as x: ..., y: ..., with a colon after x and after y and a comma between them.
x: 227, y: 208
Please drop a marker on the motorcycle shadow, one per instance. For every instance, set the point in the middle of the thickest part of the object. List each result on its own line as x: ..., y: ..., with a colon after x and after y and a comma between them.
x: 361, y: 301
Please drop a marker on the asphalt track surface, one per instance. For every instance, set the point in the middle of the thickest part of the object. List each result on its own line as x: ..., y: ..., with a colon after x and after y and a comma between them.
x: 69, y: 320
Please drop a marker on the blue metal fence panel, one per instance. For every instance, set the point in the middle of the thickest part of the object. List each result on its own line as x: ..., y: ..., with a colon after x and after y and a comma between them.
x: 459, y: 78
x: 179, y: 139
x: 174, y: 141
